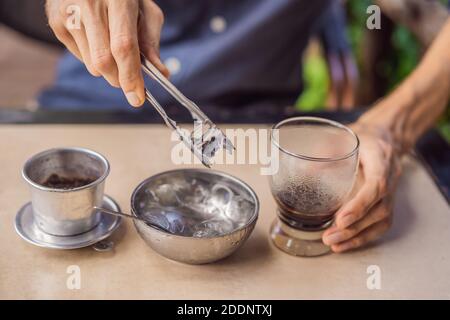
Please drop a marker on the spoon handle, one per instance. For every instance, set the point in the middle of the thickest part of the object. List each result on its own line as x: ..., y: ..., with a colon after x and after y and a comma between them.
x: 129, y: 216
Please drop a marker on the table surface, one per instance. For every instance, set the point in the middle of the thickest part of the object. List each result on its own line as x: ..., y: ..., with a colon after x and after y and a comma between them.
x: 431, y: 148
x: 413, y: 257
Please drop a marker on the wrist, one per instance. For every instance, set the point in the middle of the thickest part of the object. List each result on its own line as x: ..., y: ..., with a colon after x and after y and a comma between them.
x: 390, y: 116
x: 370, y: 124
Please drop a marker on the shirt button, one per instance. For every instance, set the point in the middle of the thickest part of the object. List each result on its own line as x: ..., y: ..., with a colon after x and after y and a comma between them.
x: 218, y: 24
x: 173, y: 64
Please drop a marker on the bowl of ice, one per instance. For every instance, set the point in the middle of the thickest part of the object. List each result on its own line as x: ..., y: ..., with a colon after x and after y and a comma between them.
x: 197, y: 216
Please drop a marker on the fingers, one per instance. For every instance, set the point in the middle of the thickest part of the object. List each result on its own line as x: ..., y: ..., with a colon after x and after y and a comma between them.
x: 67, y: 39
x: 375, y: 168
x: 368, y: 215
x: 123, y: 17
x: 356, y: 209
x: 74, y: 38
x: 56, y: 23
x: 368, y: 235
x: 79, y: 36
x: 97, y: 34
x: 335, y: 235
x: 107, y: 39
x: 150, y: 25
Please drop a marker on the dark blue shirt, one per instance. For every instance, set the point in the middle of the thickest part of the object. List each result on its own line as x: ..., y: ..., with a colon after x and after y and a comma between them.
x: 220, y: 52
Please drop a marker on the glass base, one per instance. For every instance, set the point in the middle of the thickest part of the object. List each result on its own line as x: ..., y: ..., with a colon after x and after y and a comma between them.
x: 297, y: 242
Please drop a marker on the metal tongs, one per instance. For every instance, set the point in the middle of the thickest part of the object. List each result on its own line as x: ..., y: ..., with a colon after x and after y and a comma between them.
x: 206, y: 138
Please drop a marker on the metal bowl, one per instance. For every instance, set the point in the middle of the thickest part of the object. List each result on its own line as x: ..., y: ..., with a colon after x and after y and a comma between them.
x: 208, y: 215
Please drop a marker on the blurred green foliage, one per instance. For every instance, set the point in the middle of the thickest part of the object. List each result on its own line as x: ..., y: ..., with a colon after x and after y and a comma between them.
x: 406, y: 55
x: 406, y: 59
x: 316, y: 82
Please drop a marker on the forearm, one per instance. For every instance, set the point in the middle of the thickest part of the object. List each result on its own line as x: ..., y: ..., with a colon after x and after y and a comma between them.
x: 418, y: 102
x: 423, y: 18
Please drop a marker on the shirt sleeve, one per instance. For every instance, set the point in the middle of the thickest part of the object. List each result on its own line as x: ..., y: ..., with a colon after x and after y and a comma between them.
x: 332, y: 29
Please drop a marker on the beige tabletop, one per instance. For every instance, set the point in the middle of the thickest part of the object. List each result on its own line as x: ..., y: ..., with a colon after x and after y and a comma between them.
x: 413, y: 259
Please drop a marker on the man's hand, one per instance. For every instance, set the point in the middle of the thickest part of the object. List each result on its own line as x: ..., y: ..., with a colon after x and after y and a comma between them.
x: 386, y: 131
x: 368, y: 214
x: 110, y: 37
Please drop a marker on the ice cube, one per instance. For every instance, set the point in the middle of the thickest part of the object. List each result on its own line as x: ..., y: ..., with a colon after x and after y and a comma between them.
x: 200, y: 194
x: 240, y: 209
x: 166, y: 196
x: 157, y: 218
x: 205, y: 233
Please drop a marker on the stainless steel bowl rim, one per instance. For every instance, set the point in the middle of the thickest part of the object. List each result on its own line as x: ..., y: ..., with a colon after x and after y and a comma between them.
x: 322, y: 120
x: 77, y: 149
x: 253, y: 219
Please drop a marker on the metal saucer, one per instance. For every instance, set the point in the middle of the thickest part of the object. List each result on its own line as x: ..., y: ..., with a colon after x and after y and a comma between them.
x: 28, y: 230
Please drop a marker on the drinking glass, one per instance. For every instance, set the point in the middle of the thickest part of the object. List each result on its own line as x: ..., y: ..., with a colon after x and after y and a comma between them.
x: 318, y: 165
